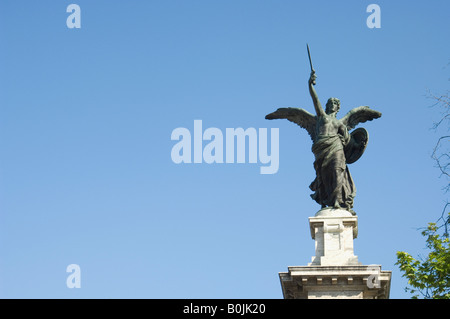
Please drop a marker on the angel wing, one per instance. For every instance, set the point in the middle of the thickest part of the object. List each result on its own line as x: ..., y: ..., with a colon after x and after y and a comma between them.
x: 358, y: 115
x: 299, y: 116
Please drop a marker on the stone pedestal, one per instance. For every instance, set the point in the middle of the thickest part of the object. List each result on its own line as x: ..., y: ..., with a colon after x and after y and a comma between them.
x: 334, y: 271
x: 333, y: 231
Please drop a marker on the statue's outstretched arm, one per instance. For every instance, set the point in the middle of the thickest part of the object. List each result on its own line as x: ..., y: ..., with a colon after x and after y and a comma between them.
x: 315, y: 98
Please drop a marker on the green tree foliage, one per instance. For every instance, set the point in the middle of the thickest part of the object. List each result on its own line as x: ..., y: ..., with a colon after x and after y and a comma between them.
x: 430, y: 277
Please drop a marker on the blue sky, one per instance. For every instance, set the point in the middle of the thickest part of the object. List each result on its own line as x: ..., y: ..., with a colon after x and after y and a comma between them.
x: 86, y: 117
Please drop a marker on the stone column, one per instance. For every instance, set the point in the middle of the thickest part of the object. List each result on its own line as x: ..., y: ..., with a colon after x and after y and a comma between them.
x: 334, y: 231
x: 335, y: 271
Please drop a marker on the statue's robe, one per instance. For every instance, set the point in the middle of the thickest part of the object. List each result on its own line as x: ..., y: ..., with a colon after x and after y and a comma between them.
x: 333, y: 185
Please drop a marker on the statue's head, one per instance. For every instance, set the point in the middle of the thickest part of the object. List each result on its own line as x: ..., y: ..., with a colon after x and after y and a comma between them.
x: 333, y: 105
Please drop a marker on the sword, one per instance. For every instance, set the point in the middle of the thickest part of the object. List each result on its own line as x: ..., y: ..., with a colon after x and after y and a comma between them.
x: 310, y: 63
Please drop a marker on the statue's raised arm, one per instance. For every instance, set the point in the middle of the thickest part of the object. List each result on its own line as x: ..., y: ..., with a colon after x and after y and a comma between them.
x: 313, y: 93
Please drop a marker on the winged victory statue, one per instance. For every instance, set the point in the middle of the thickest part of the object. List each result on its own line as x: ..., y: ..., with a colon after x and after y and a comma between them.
x: 333, y: 146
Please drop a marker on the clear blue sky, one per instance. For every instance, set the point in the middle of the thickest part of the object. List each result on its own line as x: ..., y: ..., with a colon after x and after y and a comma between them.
x: 86, y: 116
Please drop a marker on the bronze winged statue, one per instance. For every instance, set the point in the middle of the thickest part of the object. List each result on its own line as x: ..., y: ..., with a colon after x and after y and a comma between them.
x: 333, y: 146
